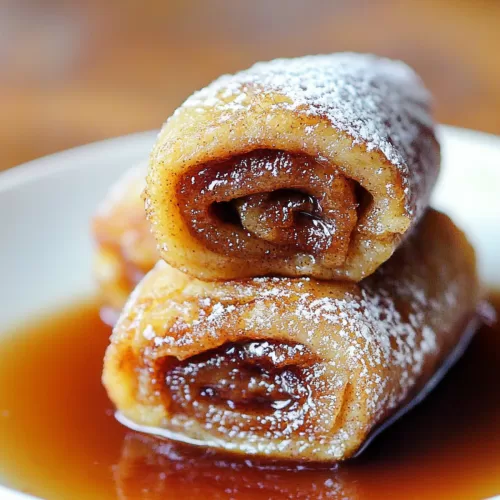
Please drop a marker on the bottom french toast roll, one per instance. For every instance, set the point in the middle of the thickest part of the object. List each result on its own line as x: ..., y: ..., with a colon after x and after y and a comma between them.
x: 292, y: 368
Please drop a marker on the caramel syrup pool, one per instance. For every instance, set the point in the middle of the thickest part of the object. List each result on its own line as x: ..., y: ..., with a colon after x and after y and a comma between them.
x: 59, y: 439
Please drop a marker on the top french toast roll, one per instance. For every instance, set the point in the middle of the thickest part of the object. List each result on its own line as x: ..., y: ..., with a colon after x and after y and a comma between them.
x: 315, y: 166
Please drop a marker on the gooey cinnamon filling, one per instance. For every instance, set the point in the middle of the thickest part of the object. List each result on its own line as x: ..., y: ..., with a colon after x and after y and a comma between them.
x: 270, y: 202
x: 256, y: 386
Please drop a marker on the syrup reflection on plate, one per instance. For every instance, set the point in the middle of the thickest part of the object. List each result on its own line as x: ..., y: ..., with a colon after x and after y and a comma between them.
x: 150, y: 469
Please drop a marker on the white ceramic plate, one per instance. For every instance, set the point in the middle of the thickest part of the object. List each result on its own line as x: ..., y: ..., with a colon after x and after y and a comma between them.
x: 45, y: 206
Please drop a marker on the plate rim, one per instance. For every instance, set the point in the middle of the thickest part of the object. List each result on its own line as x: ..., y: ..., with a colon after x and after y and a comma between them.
x: 50, y: 164
x: 38, y: 168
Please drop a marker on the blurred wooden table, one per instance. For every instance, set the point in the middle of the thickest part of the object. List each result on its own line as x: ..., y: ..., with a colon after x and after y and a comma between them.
x: 72, y: 72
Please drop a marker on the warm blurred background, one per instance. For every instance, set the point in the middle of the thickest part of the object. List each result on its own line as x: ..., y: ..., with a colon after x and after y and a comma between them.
x: 75, y: 71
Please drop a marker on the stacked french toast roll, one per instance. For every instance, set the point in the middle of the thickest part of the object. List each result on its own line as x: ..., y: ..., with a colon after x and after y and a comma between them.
x: 304, y: 292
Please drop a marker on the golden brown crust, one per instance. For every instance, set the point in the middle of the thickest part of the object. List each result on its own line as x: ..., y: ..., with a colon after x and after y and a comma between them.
x: 291, y: 368
x: 360, y: 120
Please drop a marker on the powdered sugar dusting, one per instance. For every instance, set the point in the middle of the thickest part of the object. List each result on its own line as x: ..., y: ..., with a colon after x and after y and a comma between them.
x: 379, y: 102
